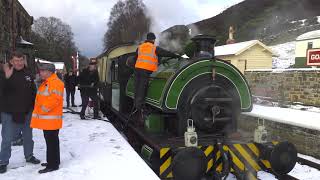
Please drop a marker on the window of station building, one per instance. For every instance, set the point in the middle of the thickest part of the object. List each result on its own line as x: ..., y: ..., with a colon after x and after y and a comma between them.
x: 310, y: 45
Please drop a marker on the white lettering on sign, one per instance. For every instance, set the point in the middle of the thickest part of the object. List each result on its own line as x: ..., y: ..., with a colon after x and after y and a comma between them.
x: 315, y: 57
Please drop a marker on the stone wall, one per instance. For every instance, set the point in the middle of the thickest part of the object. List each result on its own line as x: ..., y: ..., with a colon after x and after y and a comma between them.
x: 14, y: 22
x: 286, y: 87
x: 307, y: 141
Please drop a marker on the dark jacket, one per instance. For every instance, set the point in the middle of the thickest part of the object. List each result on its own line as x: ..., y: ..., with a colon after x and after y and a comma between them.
x: 70, y: 82
x: 89, y: 81
x: 19, y: 94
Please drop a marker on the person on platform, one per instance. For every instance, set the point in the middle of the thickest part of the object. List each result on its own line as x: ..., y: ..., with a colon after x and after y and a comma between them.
x: 18, y: 95
x: 70, y: 82
x: 47, y: 114
x: 88, y: 80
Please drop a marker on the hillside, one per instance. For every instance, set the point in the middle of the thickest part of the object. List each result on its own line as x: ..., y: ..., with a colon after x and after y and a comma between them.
x: 272, y: 21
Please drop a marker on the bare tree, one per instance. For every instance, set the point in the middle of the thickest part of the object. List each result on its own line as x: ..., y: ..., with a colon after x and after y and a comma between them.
x: 128, y: 22
x: 53, y: 39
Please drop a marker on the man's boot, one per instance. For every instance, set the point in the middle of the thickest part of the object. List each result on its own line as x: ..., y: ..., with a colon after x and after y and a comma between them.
x: 3, y: 169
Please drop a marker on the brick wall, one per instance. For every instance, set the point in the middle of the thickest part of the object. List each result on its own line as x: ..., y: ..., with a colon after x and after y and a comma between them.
x: 307, y: 141
x: 287, y: 86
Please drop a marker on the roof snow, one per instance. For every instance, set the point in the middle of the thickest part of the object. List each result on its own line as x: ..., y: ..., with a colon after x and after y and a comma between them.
x: 238, y: 48
x: 58, y: 65
x: 309, y: 35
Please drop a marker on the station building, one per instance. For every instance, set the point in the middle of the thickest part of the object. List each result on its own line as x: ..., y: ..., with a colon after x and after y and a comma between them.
x: 305, y: 42
x: 246, y: 55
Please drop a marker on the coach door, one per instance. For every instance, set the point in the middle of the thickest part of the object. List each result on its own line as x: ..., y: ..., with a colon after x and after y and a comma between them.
x: 115, y: 97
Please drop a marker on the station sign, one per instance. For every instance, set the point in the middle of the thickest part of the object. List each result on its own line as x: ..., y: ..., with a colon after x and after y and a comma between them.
x: 313, y: 57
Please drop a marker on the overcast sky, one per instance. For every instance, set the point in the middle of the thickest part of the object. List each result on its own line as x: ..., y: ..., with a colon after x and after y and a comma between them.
x: 88, y: 18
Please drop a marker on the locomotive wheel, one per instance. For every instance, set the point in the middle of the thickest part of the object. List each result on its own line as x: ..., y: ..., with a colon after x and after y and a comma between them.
x: 192, y: 93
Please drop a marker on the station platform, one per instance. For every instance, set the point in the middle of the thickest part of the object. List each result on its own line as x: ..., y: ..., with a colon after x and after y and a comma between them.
x: 304, y: 119
x: 90, y: 150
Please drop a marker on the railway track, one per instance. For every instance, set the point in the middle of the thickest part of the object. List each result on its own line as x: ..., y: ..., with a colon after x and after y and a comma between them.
x: 301, y: 161
x: 309, y: 163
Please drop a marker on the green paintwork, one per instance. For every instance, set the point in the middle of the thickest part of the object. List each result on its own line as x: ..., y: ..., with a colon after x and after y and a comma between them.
x: 164, y: 82
x: 154, y: 123
x: 301, y: 62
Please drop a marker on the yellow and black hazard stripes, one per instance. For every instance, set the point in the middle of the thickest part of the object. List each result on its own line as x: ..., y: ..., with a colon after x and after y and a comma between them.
x: 208, y: 151
x: 166, y: 158
x: 165, y: 163
x: 244, y: 160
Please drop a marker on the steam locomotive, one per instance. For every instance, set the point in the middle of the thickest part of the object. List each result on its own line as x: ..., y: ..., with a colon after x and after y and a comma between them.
x: 192, y: 106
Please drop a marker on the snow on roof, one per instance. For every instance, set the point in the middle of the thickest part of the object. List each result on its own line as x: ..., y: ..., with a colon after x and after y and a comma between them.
x: 25, y: 42
x: 305, y: 119
x: 58, y: 65
x: 309, y: 35
x: 237, y: 48
x: 283, y: 70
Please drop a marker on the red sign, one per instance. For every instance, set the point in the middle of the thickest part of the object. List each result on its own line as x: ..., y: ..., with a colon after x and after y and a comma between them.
x: 313, y: 57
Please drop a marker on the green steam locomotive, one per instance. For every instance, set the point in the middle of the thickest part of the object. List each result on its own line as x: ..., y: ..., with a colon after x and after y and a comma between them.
x: 192, y: 106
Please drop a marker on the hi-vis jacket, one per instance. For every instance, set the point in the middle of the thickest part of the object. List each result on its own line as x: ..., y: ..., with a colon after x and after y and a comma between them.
x: 47, y: 113
x: 147, y: 58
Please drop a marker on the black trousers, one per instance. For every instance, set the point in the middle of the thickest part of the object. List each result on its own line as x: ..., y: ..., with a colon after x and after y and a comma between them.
x: 85, y: 100
x: 53, y: 149
x: 70, y: 92
x: 141, y: 87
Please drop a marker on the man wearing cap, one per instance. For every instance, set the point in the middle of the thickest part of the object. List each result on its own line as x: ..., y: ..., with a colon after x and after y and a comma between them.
x: 146, y: 62
x: 70, y: 82
x: 17, y: 101
x: 47, y: 114
x: 88, y: 80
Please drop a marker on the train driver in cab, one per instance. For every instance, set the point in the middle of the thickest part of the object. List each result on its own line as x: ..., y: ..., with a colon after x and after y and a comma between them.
x: 146, y: 62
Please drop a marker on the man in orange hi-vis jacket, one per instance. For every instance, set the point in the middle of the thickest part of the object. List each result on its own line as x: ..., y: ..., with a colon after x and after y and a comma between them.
x: 47, y: 114
x: 146, y: 62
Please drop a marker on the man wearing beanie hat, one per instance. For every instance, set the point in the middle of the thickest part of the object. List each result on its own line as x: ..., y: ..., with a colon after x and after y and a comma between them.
x: 47, y: 114
x: 18, y: 93
x: 146, y: 62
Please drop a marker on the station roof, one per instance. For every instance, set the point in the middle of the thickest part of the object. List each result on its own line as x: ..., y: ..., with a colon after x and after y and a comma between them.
x: 309, y: 35
x: 238, y: 48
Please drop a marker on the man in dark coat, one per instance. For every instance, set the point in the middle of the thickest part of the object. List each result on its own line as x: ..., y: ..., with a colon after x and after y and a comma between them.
x: 70, y: 82
x: 88, y: 80
x: 18, y: 99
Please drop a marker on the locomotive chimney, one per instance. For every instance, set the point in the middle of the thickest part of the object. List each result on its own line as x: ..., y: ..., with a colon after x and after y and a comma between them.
x: 204, y: 46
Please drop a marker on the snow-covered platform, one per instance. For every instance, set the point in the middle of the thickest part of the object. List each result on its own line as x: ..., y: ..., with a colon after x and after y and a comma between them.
x: 302, y: 128
x: 305, y: 119
x: 90, y: 150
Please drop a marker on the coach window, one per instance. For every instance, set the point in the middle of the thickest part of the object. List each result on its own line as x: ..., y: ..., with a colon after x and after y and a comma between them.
x: 114, y: 75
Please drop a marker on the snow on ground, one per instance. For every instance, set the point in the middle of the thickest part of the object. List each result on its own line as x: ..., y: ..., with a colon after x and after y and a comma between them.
x: 90, y: 149
x: 95, y: 150
x: 285, y: 55
x: 306, y: 119
x: 295, y: 117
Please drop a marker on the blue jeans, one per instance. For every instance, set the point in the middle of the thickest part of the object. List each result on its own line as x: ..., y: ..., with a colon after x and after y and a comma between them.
x: 8, y: 133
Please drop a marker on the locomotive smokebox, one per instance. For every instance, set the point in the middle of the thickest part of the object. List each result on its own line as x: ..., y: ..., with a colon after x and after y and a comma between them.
x: 204, y: 45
